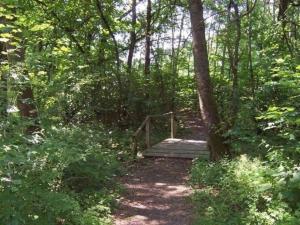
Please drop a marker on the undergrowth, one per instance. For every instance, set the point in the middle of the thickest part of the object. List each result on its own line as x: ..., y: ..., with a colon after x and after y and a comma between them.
x: 65, y: 177
x: 246, y: 191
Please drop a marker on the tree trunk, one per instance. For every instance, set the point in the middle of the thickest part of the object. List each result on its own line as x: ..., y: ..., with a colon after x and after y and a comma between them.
x: 147, y: 52
x: 3, y: 78
x: 222, y: 70
x: 106, y: 24
x: 283, y: 6
x: 173, y: 63
x: 132, y: 37
x: 25, y: 99
x: 207, y: 102
x: 234, y: 61
x: 216, y: 52
x: 175, y: 58
x: 160, y: 79
x: 3, y: 85
x: 250, y: 64
x: 27, y: 107
x: 132, y: 45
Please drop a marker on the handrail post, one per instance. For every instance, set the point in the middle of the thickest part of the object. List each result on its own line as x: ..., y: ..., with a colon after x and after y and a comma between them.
x: 148, y: 132
x: 173, y: 126
x: 134, y: 146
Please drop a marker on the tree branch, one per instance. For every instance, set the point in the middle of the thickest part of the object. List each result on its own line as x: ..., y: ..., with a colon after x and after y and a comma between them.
x: 67, y: 30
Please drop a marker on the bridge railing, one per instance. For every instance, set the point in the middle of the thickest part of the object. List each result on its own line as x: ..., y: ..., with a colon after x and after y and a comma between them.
x: 146, y: 125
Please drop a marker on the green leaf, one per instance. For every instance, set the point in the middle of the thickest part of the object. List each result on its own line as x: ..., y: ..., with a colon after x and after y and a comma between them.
x: 41, y: 27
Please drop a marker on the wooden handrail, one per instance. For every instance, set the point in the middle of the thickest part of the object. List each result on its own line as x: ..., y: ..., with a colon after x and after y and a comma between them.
x: 161, y: 115
x: 146, y: 124
x: 138, y: 131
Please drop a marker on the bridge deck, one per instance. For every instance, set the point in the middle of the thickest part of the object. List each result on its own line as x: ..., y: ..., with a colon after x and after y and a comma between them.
x: 178, y: 148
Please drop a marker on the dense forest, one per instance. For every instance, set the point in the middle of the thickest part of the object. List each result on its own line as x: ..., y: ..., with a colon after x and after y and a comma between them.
x: 79, y: 76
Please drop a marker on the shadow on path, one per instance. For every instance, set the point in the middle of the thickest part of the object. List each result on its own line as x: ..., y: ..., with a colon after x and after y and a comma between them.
x: 157, y: 194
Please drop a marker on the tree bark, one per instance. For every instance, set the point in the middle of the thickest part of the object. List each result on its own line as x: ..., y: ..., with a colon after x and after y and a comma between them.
x: 207, y: 102
x: 132, y: 37
x: 106, y: 24
x: 216, y: 52
x: 175, y: 58
x: 3, y: 85
x: 3, y: 78
x: 122, y: 96
x: 148, y: 50
x: 25, y: 102
x: 173, y: 63
x: 250, y: 64
x: 25, y: 98
x: 234, y: 61
x: 283, y: 6
x: 158, y: 71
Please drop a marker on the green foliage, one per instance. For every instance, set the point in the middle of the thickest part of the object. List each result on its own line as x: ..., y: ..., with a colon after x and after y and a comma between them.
x: 263, y: 190
x: 67, y: 176
x: 246, y: 191
x: 75, y: 62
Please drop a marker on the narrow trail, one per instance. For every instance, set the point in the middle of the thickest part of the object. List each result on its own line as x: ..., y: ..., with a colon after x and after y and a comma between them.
x: 157, y: 192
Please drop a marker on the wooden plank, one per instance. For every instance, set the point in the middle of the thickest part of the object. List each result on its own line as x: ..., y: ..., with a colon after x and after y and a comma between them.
x: 187, y: 147
x: 179, y: 148
x: 170, y: 155
x: 178, y: 151
x: 183, y: 141
x: 175, y: 155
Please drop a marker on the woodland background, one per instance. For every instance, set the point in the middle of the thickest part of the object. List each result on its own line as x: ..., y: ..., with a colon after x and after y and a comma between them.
x: 78, y: 76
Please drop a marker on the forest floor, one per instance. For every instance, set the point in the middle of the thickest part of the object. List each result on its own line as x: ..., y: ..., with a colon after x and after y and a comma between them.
x: 157, y: 190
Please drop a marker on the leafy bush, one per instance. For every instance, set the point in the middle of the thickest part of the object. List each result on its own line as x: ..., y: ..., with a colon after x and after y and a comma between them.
x: 271, y: 121
x: 266, y: 189
x: 63, y: 178
x: 246, y: 191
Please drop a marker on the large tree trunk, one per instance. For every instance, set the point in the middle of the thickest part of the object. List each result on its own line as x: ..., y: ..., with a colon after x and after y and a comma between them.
x: 207, y: 102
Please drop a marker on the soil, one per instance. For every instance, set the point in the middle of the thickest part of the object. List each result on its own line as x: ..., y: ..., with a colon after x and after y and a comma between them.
x: 157, y: 194
x: 157, y: 191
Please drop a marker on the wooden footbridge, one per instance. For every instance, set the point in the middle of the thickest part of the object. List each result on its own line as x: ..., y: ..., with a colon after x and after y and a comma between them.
x: 170, y: 147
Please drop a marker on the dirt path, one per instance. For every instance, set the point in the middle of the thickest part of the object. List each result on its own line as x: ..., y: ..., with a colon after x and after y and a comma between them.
x: 157, y: 194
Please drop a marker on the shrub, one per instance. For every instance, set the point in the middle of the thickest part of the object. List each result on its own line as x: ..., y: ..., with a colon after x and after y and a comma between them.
x: 60, y: 179
x: 246, y: 191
